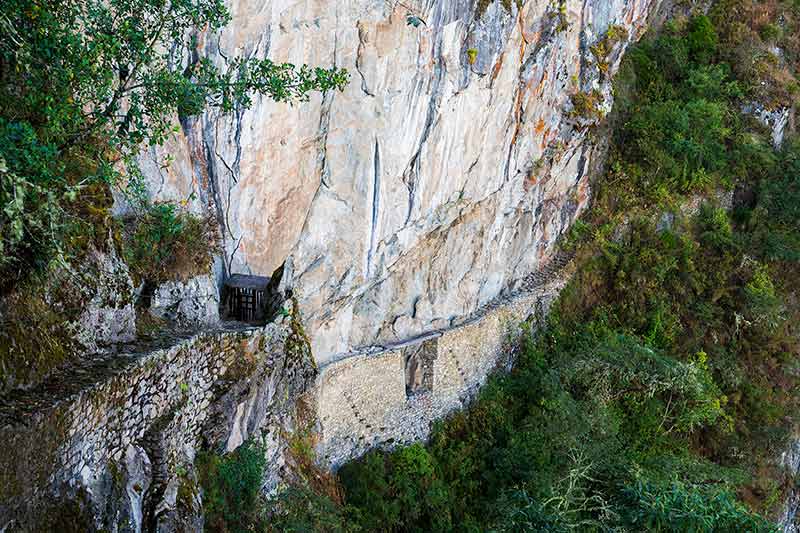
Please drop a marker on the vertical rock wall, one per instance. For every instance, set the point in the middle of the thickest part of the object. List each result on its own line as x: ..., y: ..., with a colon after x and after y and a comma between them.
x: 440, y: 177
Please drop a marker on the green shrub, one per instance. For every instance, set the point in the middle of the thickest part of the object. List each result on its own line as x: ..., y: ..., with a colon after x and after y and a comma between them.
x: 31, y: 191
x: 763, y: 307
x: 770, y: 32
x: 775, y: 220
x: 702, y: 39
x: 748, y: 30
x: 299, y: 509
x: 678, y: 508
x: 679, y: 131
x: 164, y: 242
x: 587, y: 105
x: 232, y: 488
x: 399, y: 491
x: 602, y: 48
x: 519, y: 512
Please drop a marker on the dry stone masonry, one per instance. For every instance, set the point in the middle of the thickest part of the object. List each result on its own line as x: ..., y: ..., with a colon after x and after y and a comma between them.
x: 118, y: 436
x: 388, y: 395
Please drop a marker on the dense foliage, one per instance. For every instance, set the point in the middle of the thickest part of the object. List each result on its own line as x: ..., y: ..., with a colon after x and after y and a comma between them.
x: 231, y: 488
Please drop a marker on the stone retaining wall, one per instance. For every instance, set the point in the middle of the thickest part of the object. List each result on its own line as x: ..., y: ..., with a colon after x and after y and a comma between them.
x: 119, y: 435
x: 392, y: 396
x: 122, y: 440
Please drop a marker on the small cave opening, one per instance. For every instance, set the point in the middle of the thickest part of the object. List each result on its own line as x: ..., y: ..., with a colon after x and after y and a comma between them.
x: 253, y: 299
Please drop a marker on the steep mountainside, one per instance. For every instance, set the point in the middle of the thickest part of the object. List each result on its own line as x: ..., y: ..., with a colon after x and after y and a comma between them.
x: 440, y: 177
x: 412, y: 218
x: 399, y: 265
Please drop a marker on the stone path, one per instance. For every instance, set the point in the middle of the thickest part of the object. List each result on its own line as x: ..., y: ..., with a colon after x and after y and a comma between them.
x: 363, y: 396
x: 557, y: 266
x: 17, y: 405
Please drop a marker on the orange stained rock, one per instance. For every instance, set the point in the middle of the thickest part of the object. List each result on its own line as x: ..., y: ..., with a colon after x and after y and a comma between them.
x: 497, y: 67
x: 530, y: 181
x: 545, y: 137
x: 540, y: 87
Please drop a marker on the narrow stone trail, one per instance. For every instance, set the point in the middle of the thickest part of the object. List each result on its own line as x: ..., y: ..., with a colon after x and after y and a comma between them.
x: 556, y: 267
x: 159, y: 398
x: 363, y: 396
x: 18, y: 405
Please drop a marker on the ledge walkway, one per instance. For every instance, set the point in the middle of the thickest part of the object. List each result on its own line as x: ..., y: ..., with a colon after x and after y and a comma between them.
x: 559, y: 266
x: 17, y: 405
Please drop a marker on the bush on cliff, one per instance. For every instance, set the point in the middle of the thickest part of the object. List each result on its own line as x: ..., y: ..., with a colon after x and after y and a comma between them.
x: 679, y: 130
x: 232, y: 489
x: 84, y: 85
x: 761, y: 43
x: 163, y: 242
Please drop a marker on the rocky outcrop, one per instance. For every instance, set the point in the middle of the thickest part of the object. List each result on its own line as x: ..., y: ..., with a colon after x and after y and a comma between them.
x: 192, y: 303
x: 778, y: 121
x: 104, y: 287
x: 789, y: 520
x: 439, y: 179
x: 69, y: 314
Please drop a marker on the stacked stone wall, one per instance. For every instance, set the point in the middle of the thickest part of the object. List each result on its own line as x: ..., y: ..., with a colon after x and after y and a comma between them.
x: 365, y: 400
x: 83, y: 431
x: 122, y: 432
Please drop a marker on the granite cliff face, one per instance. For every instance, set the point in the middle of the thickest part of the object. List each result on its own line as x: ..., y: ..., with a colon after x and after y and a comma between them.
x: 439, y: 178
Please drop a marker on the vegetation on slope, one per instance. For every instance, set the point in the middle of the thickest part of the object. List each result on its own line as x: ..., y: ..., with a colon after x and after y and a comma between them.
x: 662, y: 389
x: 660, y: 393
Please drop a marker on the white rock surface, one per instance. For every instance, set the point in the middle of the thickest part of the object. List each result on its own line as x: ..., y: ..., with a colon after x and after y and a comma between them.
x: 429, y: 185
x: 105, y: 287
x: 192, y: 303
x: 776, y: 120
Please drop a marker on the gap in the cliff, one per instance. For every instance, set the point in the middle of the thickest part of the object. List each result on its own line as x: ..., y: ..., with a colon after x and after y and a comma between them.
x: 253, y: 299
